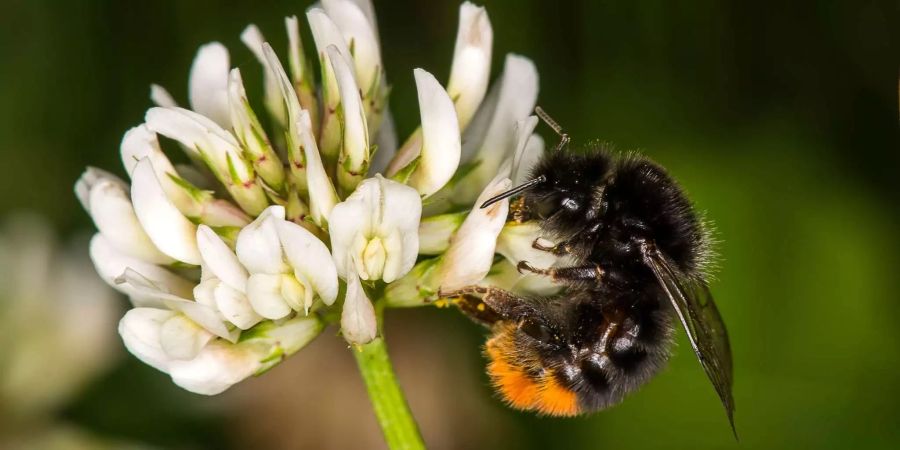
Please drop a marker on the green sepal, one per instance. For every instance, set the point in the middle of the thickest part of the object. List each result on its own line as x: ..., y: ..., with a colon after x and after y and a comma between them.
x: 402, y: 176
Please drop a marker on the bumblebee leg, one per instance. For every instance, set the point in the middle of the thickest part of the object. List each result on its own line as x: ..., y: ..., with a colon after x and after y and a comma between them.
x: 502, y: 302
x: 476, y: 310
x: 587, y: 272
x: 468, y: 290
x: 560, y: 249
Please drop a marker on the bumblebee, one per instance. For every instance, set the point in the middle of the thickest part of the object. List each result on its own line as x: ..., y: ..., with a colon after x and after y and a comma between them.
x: 639, y: 254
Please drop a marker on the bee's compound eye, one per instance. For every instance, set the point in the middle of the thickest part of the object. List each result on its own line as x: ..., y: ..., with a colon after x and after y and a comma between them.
x: 536, y: 330
x: 570, y: 204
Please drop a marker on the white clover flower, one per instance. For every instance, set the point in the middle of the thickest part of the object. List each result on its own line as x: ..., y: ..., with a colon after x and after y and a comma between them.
x: 440, y: 149
x: 208, y: 83
x: 466, y: 243
x: 283, y: 226
x: 471, y: 252
x: 107, y: 199
x: 111, y: 264
x: 375, y: 231
x: 358, y: 27
x: 490, y: 138
x: 173, y: 343
x: 288, y: 266
x: 471, y: 68
x: 196, y: 204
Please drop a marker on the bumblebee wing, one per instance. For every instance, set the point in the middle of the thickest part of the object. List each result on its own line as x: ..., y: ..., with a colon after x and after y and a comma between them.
x: 704, y: 326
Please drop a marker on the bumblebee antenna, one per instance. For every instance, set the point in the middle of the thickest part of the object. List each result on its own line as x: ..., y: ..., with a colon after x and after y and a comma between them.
x: 563, y: 137
x: 526, y: 185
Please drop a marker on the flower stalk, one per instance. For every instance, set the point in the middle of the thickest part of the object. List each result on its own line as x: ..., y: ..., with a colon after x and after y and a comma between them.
x: 394, y: 417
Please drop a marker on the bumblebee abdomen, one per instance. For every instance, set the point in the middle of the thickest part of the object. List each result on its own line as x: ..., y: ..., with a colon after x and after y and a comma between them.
x: 523, y: 383
x: 602, y: 355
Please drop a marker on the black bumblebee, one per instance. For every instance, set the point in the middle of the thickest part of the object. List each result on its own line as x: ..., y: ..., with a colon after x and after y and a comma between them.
x: 639, y: 252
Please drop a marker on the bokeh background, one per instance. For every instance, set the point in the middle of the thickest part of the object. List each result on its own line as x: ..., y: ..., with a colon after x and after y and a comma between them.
x: 780, y: 119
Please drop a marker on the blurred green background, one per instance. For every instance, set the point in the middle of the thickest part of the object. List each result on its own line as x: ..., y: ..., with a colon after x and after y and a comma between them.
x: 780, y: 120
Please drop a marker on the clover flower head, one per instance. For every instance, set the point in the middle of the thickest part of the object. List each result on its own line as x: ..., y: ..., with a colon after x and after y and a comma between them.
x: 283, y: 226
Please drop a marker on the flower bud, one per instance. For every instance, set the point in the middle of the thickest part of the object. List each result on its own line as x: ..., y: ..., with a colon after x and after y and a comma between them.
x: 322, y: 196
x: 471, y: 67
x: 216, y: 147
x: 325, y: 33
x: 251, y: 135
x: 305, y: 160
x: 353, y: 158
x: 208, y: 83
x: 301, y: 71
x: 296, y: 156
x: 359, y: 30
x: 358, y: 321
x: 253, y: 39
x: 356, y: 28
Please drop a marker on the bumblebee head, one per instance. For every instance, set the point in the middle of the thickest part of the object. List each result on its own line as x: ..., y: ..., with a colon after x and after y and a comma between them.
x: 563, y: 187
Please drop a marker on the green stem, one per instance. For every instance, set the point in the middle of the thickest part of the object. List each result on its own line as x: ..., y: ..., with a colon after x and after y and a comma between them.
x: 396, y: 421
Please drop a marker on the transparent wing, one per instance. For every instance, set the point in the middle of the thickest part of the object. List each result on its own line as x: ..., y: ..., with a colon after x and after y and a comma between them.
x: 704, y: 326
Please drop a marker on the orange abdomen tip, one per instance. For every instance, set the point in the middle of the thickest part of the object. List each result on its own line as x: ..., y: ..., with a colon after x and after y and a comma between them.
x: 520, y: 390
x: 556, y: 400
x: 516, y: 388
